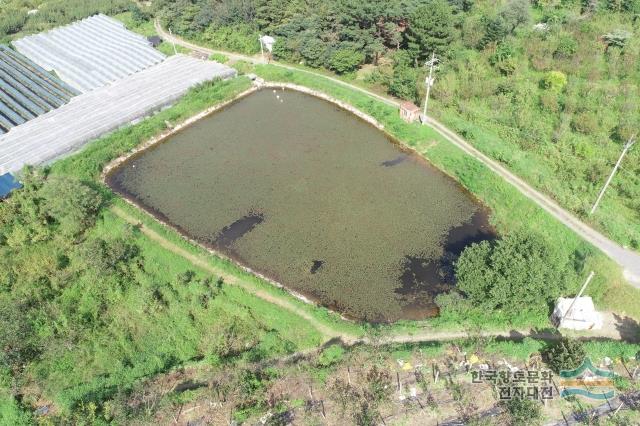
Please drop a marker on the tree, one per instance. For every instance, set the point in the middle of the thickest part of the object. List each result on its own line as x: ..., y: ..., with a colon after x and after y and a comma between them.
x: 72, y: 204
x: 345, y: 60
x: 520, y: 272
x: 495, y: 31
x: 314, y: 51
x: 404, y: 78
x: 138, y: 15
x: 515, y: 13
x: 567, y: 354
x: 430, y: 30
x: 272, y: 13
x: 523, y: 412
x: 371, y: 25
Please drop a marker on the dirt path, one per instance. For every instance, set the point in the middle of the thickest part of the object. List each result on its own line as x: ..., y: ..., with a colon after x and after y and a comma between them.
x: 612, y: 329
x: 627, y: 259
x: 202, y: 263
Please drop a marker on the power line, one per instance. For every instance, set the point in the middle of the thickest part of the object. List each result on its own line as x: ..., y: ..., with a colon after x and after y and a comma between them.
x: 626, y: 148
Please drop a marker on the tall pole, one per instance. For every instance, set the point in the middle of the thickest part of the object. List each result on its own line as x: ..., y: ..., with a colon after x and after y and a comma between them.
x: 586, y: 283
x: 175, y: 51
x: 431, y: 63
x: 627, y: 145
x: 261, y: 48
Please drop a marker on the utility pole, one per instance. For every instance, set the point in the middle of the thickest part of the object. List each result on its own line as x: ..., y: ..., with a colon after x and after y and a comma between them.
x: 626, y: 148
x: 175, y: 51
x: 261, y: 48
x: 429, y: 81
x: 586, y: 283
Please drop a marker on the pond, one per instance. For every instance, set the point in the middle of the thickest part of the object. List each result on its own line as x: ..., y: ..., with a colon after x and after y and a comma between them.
x: 313, y: 197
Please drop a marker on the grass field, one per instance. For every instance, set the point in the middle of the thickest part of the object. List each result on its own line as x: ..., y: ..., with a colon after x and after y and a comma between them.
x: 144, y: 339
x: 511, y: 210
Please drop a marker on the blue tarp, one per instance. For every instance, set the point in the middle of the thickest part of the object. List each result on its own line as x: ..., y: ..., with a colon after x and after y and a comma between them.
x: 7, y: 184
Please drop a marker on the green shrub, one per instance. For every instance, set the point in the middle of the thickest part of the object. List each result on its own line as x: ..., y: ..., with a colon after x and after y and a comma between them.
x: 554, y: 80
x: 12, y: 22
x: 331, y: 355
x: 566, y: 354
x: 219, y: 57
x: 521, y: 272
x: 243, y: 67
x: 566, y: 47
x: 345, y: 60
x: 403, y: 81
x: 585, y: 122
x: 523, y: 412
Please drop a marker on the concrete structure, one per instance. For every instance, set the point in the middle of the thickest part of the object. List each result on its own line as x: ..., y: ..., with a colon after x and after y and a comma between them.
x: 91, y: 115
x: 409, y: 112
x: 581, y: 315
x: 90, y: 53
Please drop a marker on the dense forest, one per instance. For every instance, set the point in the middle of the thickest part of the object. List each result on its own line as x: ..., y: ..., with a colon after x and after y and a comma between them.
x: 549, y: 88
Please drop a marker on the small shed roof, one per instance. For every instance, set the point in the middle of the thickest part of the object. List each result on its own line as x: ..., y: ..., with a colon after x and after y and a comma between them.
x: 154, y: 40
x: 409, y: 106
x: 7, y: 184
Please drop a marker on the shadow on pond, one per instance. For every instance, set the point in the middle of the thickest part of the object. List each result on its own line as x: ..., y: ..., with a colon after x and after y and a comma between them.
x: 230, y: 233
x: 422, y: 279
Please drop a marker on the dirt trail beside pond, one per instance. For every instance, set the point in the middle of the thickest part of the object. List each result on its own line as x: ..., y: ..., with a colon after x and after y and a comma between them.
x: 615, y: 327
x: 202, y: 263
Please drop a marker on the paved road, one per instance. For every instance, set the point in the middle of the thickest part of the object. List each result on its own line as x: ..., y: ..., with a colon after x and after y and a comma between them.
x: 627, y: 259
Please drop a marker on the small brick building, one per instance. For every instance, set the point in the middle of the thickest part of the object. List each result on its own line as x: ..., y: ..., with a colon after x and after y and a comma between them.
x: 409, y: 111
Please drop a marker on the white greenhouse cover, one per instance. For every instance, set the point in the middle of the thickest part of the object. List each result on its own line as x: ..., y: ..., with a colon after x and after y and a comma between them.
x: 90, y: 53
x: 91, y: 115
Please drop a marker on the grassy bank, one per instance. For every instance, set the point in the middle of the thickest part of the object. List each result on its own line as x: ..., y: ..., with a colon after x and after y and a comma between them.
x: 511, y: 210
x: 159, y: 324
x: 320, y: 314
x: 146, y: 338
x: 98, y: 328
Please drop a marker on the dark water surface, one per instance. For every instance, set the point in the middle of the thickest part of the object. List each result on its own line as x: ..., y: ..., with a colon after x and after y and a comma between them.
x: 308, y: 194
